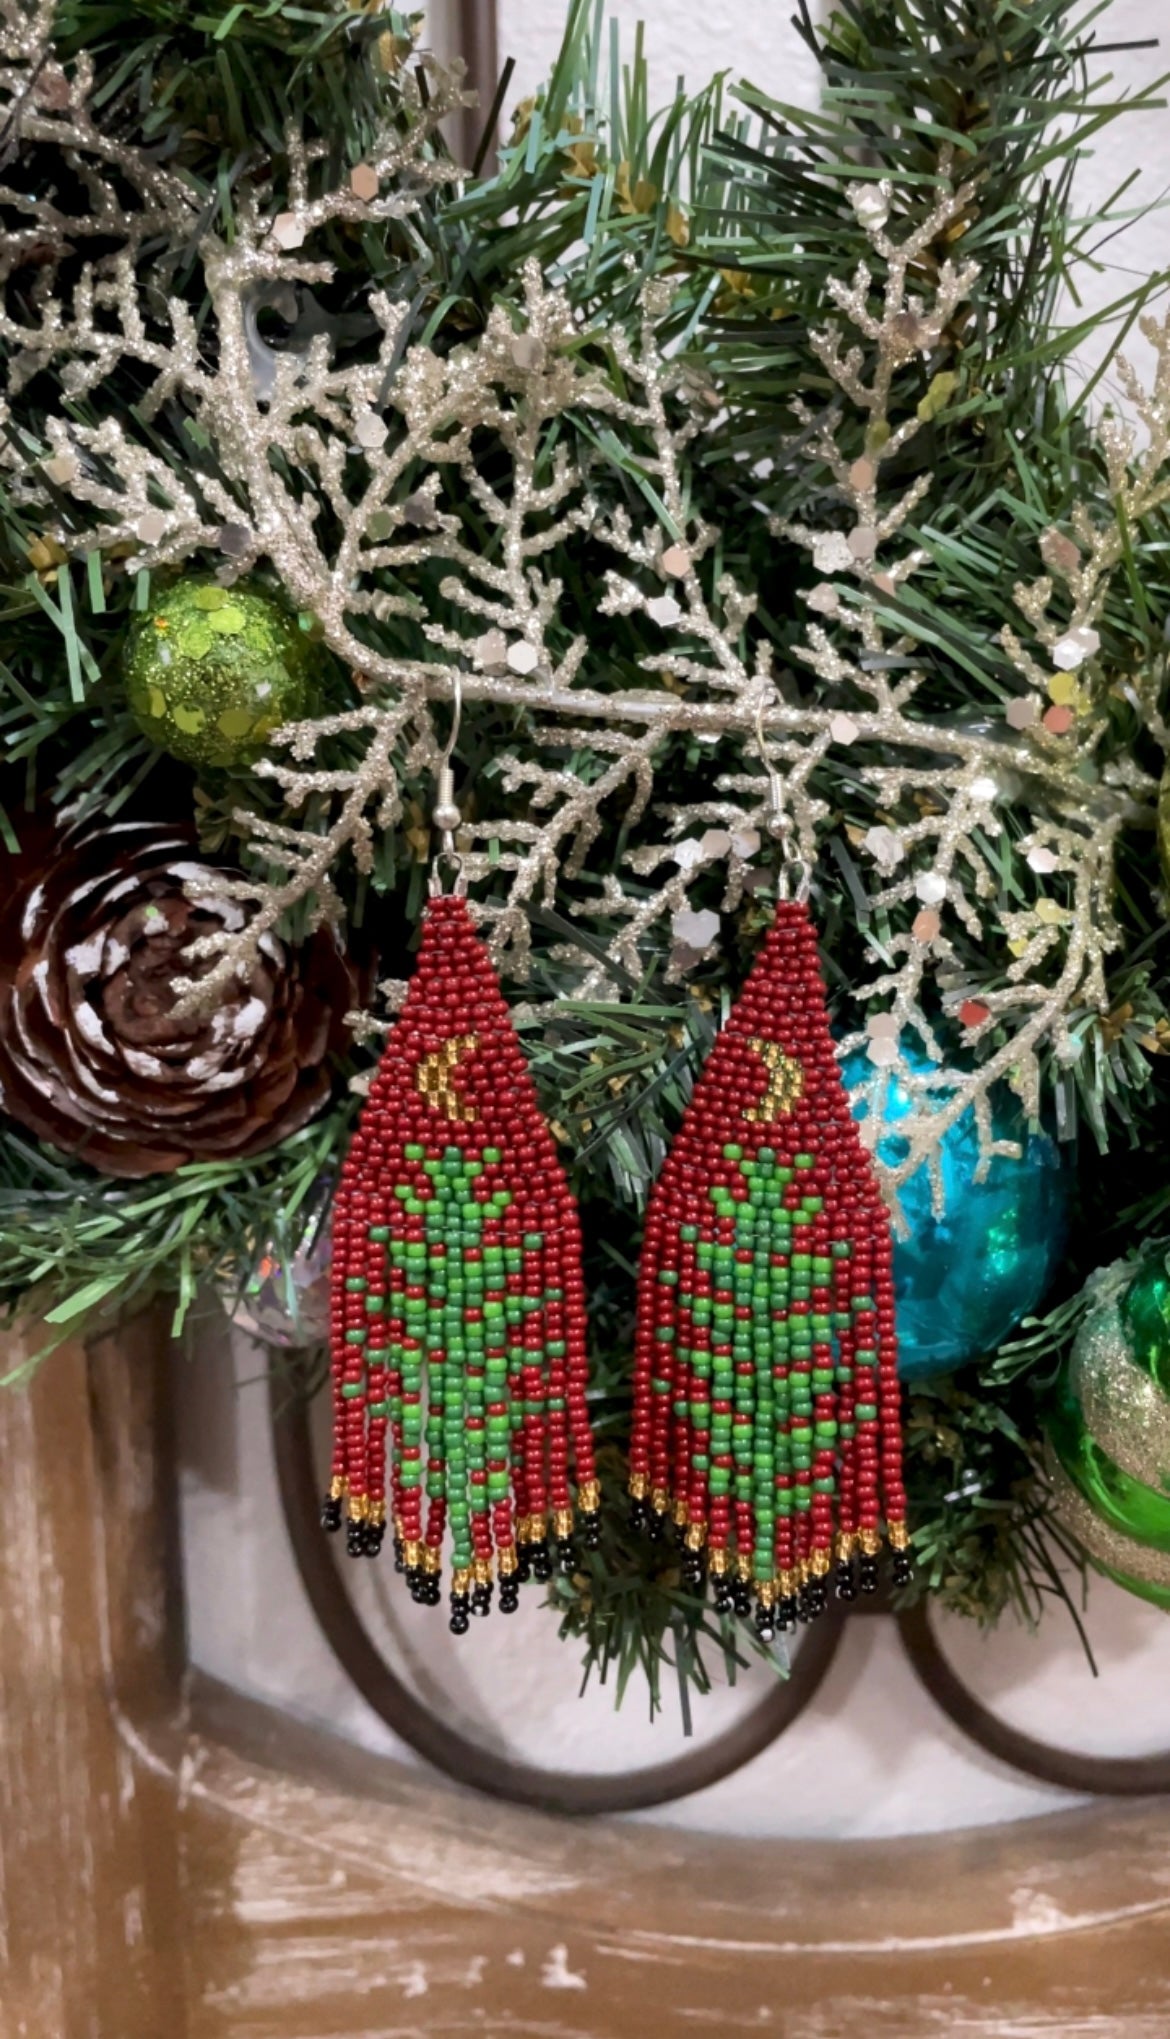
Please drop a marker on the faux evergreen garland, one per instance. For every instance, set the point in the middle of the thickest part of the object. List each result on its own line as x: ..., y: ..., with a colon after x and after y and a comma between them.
x: 695, y: 456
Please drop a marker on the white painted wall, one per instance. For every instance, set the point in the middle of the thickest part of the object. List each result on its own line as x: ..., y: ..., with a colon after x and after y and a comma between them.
x: 872, y: 1756
x: 691, y: 39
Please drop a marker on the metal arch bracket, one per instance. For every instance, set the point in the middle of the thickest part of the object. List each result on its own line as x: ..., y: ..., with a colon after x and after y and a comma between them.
x: 1103, y: 1776
x: 458, y: 1756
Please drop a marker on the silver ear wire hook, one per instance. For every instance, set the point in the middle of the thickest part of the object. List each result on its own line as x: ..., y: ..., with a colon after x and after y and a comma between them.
x: 794, y: 877
x: 445, y: 814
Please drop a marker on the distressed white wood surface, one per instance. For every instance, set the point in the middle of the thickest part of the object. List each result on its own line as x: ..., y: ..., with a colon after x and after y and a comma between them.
x: 216, y: 1871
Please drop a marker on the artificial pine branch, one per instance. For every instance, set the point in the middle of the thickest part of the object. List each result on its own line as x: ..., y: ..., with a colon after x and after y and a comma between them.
x: 683, y: 274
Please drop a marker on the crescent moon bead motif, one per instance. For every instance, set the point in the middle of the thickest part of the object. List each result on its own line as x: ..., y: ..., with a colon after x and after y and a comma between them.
x: 459, y: 1363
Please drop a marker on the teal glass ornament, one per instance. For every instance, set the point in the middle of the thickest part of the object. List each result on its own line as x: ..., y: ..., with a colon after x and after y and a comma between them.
x: 963, y: 1281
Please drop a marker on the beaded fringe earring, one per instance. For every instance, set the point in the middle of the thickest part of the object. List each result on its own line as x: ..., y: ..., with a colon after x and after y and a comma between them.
x: 458, y: 1304
x: 767, y: 1412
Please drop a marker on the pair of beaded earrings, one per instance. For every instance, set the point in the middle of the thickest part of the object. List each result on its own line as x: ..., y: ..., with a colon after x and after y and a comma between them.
x: 766, y: 1421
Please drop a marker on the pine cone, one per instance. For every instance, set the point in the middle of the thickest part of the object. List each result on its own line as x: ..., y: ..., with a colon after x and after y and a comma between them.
x: 92, y: 1057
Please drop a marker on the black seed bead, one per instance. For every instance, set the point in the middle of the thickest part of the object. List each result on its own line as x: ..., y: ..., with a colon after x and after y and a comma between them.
x: 591, y: 1529
x: 481, y: 1600
x: 741, y: 1594
x: 724, y: 1599
x: 399, y: 1555
x: 509, y: 1595
x: 375, y: 1533
x: 433, y: 1590
x: 813, y: 1600
x: 566, y: 1555
x: 542, y: 1565
x: 639, y: 1517
x: 331, y: 1514
x: 846, y: 1582
x: 524, y: 1563
x: 765, y: 1623
x: 692, y: 1571
x: 355, y: 1539
x: 787, y: 1613
x: 868, y: 1578
x: 903, y: 1568
x: 656, y: 1527
x: 460, y: 1614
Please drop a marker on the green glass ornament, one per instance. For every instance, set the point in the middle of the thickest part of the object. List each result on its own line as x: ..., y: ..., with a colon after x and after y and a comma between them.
x: 212, y: 671
x: 1108, y: 1435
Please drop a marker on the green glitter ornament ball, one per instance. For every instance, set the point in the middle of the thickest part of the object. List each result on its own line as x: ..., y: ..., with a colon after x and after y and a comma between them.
x: 212, y: 671
x: 1108, y: 1436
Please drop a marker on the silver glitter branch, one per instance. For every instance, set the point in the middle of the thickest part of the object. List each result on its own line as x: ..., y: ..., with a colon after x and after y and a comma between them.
x: 351, y: 483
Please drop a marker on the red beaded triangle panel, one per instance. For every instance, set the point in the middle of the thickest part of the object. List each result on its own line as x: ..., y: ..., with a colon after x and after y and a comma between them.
x: 767, y: 1406
x: 459, y: 1331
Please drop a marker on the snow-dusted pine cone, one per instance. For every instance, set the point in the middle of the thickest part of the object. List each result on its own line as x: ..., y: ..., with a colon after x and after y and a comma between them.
x: 93, y: 926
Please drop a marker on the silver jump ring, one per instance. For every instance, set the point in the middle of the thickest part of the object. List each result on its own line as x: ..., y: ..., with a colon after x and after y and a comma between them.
x: 448, y: 855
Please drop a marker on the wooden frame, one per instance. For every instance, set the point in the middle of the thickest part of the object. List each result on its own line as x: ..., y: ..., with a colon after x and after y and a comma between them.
x: 477, y: 30
x: 177, y: 1862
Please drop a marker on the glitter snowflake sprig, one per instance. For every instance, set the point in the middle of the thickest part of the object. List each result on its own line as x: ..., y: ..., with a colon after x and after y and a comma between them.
x: 352, y: 482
